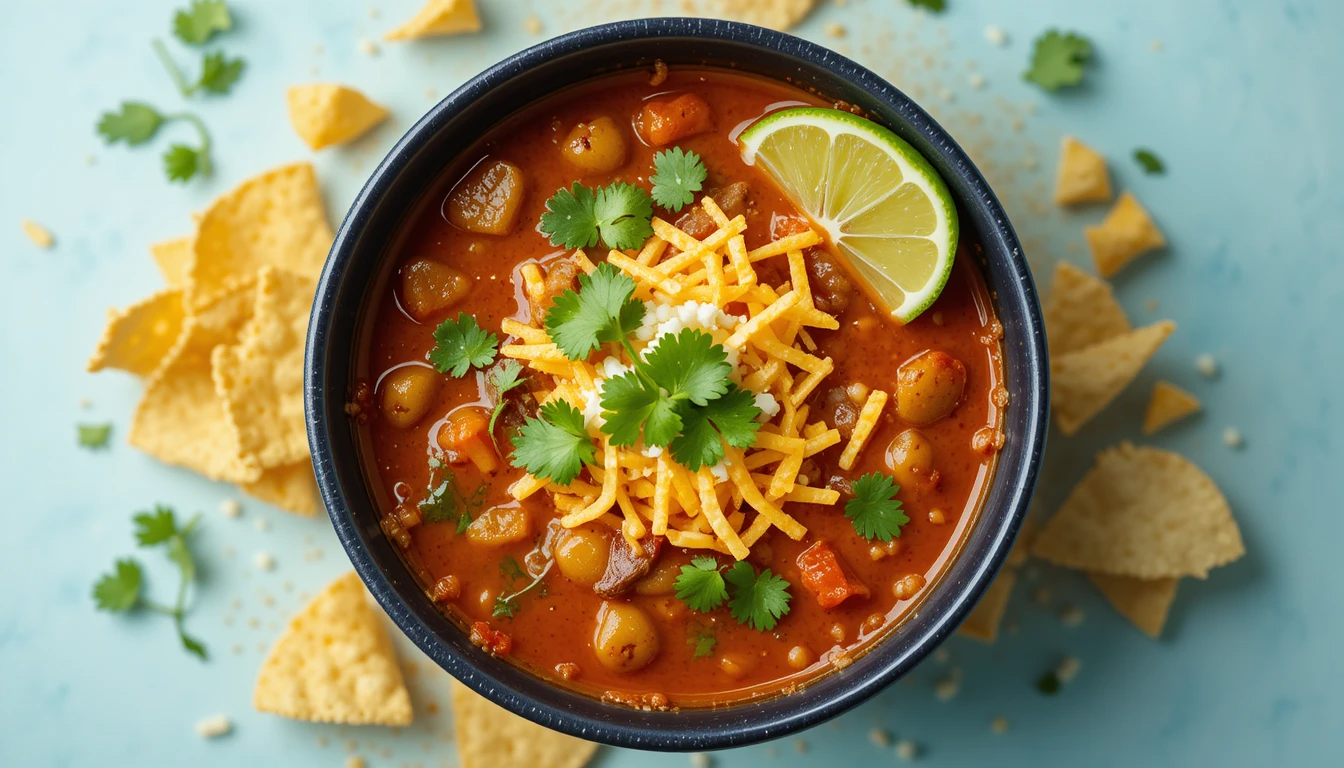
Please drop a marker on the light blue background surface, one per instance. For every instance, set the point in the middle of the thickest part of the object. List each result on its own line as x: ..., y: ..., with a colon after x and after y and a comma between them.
x: 1241, y: 101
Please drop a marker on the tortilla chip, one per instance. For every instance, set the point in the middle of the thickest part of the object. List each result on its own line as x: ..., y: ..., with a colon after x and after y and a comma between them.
x: 335, y: 664
x: 775, y: 14
x: 439, y: 17
x: 491, y: 737
x: 1084, y: 382
x: 1082, y: 176
x: 1144, y: 603
x: 180, y: 419
x: 324, y: 114
x: 138, y: 338
x: 1021, y: 551
x: 1081, y: 311
x: 290, y: 488
x: 1169, y: 403
x: 983, y: 623
x: 1126, y: 233
x: 261, y: 378
x: 173, y: 256
x: 1142, y: 512
x: 38, y: 234
x: 275, y: 219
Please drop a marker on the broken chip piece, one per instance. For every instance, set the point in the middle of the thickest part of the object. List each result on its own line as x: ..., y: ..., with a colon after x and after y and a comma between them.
x: 1145, y: 602
x: 1126, y: 233
x: 1145, y: 513
x: 1086, y: 381
x: 40, y: 235
x: 1168, y: 403
x: 173, y: 256
x: 774, y: 14
x: 325, y: 113
x: 291, y: 487
x: 1081, y: 311
x: 1082, y: 176
x: 491, y: 737
x: 139, y: 337
x: 335, y: 664
x: 983, y: 622
x: 439, y: 17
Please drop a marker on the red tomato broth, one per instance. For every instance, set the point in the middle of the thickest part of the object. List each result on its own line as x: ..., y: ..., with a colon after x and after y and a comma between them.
x: 557, y: 627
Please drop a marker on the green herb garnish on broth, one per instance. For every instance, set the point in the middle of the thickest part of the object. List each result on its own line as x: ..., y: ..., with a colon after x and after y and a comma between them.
x: 700, y: 585
x: 704, y: 643
x: 445, y: 502
x: 616, y: 215
x: 875, y: 511
x: 94, y: 435
x: 1058, y: 60
x: 506, y: 378
x: 677, y: 176
x: 603, y: 311
x: 460, y: 345
x: 758, y: 600
x: 555, y: 444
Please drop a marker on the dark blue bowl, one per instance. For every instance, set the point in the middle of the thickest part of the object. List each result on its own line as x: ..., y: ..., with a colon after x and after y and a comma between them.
x: 360, y: 258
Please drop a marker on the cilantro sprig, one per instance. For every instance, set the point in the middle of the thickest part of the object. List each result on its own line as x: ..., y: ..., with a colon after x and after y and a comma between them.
x: 506, y: 378
x: 136, y: 122
x: 555, y: 444
x: 460, y: 345
x: 617, y: 215
x: 603, y: 311
x: 122, y: 589
x: 1058, y: 60
x: 875, y: 511
x: 682, y: 369
x: 703, y: 642
x: 757, y: 600
x: 507, y: 605
x: 677, y: 176
x: 200, y: 21
x: 701, y: 586
x: 445, y: 502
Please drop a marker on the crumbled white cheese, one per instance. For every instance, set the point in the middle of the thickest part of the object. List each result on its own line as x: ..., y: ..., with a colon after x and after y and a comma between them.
x: 720, y: 472
x: 652, y: 451
x: 995, y: 35
x: 663, y: 319
x: 230, y: 508
x: 1206, y: 365
x: 768, y: 404
x: 1232, y: 437
x: 264, y: 561
x: 213, y: 727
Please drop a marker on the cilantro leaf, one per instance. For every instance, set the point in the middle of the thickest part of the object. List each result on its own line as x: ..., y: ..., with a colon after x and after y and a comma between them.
x: 506, y: 378
x: 690, y: 366
x: 181, y: 162
x: 134, y: 124
x: 192, y: 645
x: 556, y: 445
x: 1058, y: 60
x: 757, y: 600
x: 700, y: 585
x: 630, y: 404
x: 875, y: 511
x: 617, y: 215
x: 155, y: 527
x: 1149, y: 161
x: 937, y: 6
x: 677, y: 177
x: 704, y: 643
x: 119, y: 590
x: 460, y: 344
x: 603, y: 311
x: 731, y: 417
x: 94, y: 435
x: 511, y: 570
x: 198, y: 23
x: 218, y: 74
x: 445, y: 502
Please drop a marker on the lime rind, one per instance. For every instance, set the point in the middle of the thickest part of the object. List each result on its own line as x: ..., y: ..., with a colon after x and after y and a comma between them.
x: 847, y: 189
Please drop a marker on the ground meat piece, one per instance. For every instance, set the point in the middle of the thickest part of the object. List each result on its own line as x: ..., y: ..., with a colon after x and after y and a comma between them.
x: 838, y: 410
x: 625, y: 565
x: 561, y: 276
x: 733, y: 199
x: 832, y: 289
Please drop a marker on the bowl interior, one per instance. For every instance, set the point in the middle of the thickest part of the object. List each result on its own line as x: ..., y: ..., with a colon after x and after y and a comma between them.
x: 412, y: 169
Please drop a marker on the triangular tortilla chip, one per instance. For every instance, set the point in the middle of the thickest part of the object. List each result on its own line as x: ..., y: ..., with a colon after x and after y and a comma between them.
x: 275, y: 219
x: 324, y: 114
x: 1142, y: 512
x: 1144, y: 603
x: 491, y: 737
x: 1084, y: 382
x: 173, y: 256
x: 1081, y: 311
x: 1126, y: 233
x: 1082, y: 176
x: 290, y: 488
x: 335, y: 664
x: 138, y: 338
x: 983, y: 623
x: 439, y: 17
x: 775, y: 14
x: 1169, y: 403
x: 261, y: 378
x: 180, y: 419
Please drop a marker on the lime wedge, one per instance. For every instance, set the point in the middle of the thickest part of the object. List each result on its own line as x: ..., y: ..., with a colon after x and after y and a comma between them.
x: 879, y: 200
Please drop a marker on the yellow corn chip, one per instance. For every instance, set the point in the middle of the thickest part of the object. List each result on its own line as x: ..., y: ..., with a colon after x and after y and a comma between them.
x: 439, y: 17
x: 274, y: 219
x: 261, y: 378
x: 1021, y: 551
x: 1126, y: 233
x: 40, y: 235
x: 1081, y: 311
x: 983, y: 623
x: 1082, y: 174
x: 1144, y: 602
x: 1169, y: 403
x: 775, y: 14
x: 139, y: 337
x: 173, y: 256
x: 180, y: 419
x: 491, y: 737
x: 1142, y: 512
x: 324, y: 114
x: 335, y: 664
x: 290, y: 488
x: 1086, y: 381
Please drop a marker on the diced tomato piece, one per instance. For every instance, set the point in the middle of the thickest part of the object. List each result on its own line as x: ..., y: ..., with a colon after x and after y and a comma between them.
x: 663, y: 122
x: 490, y: 640
x: 466, y: 438
x: 826, y: 576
